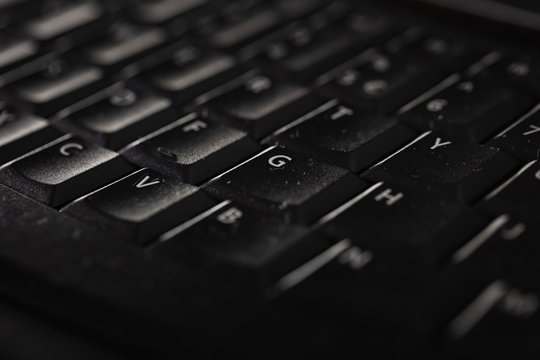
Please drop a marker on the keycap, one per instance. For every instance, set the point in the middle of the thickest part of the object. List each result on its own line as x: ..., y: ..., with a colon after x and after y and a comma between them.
x: 385, y: 82
x: 259, y: 246
x: 191, y: 72
x: 449, y: 52
x: 193, y: 148
x: 63, y: 170
x: 79, y: 19
x: 141, y: 206
x: 279, y: 180
x: 518, y: 68
x: 262, y: 104
x: 297, y: 8
x: 346, y: 136
x: 16, y: 50
x: 521, y: 139
x: 370, y: 26
x: 503, y: 248
x: 357, y: 291
x: 435, y: 161
x: 310, y: 49
x: 502, y: 255
x: 123, y: 43
x: 59, y: 84
x: 405, y: 226
x: 472, y: 109
x: 238, y: 30
x: 156, y: 12
x: 122, y: 117
x: 306, y: 53
x: 506, y: 246
x: 517, y: 196
x: 21, y: 133
x: 501, y: 321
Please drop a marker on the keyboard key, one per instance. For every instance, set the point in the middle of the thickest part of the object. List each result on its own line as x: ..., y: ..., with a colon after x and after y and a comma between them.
x: 194, y: 148
x: 297, y: 8
x: 415, y: 228
x: 262, y: 104
x: 519, y: 197
x: 156, y: 12
x: 191, y: 72
x: 63, y: 170
x: 502, y: 321
x: 121, y: 118
x: 15, y: 50
x: 21, y: 133
x: 124, y: 43
x: 516, y: 68
x: 448, y: 52
x: 522, y: 140
x: 506, y: 246
x: 505, y: 249
x: 74, y: 18
x: 281, y: 181
x: 333, y: 36
x: 140, y: 206
x: 472, y: 109
x: 346, y: 136
x: 235, y: 237
x: 385, y: 82
x: 306, y: 53
x: 58, y: 85
x: 238, y: 30
x: 369, y: 26
x: 350, y: 282
x: 435, y: 161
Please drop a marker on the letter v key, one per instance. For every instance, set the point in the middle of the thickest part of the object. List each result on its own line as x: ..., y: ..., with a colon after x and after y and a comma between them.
x: 144, y: 182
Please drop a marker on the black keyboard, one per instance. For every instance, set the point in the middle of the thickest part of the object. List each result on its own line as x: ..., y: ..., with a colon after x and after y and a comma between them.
x: 266, y: 179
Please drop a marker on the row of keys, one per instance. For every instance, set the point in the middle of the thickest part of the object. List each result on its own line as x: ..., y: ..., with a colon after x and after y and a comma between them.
x: 488, y: 166
x: 70, y: 167
x: 309, y: 48
x: 109, y: 41
x: 113, y: 123
x: 264, y: 114
x: 288, y: 183
x: 382, y: 92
